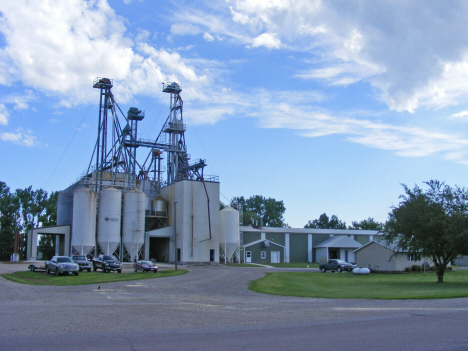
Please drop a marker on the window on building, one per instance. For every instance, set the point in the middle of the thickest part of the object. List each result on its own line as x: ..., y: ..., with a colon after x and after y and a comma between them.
x: 413, y: 257
x: 263, y: 255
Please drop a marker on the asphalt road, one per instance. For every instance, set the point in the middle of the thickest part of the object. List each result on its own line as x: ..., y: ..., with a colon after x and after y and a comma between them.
x: 210, y: 308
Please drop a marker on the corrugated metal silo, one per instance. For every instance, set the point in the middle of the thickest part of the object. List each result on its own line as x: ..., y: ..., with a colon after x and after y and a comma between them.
x: 84, y: 221
x: 65, y: 208
x: 133, y: 221
x: 229, y: 239
x: 109, y: 220
x: 159, y: 206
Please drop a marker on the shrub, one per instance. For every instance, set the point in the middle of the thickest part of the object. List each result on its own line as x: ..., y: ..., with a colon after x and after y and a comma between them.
x: 416, y: 268
x: 408, y: 269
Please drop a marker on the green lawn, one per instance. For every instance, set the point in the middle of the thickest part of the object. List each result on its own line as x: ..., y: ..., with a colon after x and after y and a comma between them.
x: 374, y: 286
x: 294, y: 265
x: 84, y: 278
x: 241, y: 265
x: 281, y: 265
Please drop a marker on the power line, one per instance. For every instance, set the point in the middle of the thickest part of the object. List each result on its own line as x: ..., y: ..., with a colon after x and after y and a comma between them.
x: 69, y: 143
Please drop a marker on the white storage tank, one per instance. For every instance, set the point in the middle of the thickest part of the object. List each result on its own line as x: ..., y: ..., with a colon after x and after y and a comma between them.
x: 229, y: 237
x: 361, y: 270
x: 159, y: 206
x: 83, y: 238
x: 109, y: 220
x: 65, y: 208
x: 133, y: 221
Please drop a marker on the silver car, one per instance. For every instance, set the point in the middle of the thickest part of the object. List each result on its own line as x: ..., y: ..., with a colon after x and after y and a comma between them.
x: 62, y: 265
x: 82, y: 262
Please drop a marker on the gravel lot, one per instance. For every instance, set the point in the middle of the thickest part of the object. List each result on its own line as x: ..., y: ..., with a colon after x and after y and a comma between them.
x: 207, y: 298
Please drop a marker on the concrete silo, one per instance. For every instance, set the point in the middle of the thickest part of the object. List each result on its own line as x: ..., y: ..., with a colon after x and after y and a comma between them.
x: 133, y: 222
x: 109, y: 220
x: 229, y: 239
x: 84, y: 221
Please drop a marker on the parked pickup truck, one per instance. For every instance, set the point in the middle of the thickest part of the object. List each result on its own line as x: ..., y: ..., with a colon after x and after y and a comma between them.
x: 107, y: 263
x: 336, y: 266
x: 62, y: 265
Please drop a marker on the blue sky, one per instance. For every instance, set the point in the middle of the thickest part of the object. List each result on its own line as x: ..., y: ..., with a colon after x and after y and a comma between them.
x: 328, y: 106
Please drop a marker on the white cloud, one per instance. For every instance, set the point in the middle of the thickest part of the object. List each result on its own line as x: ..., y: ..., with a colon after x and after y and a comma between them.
x: 460, y: 115
x: 20, y: 137
x: 289, y: 110
x: 208, y: 37
x: 415, y: 58
x: 268, y: 40
x: 66, y: 45
x: 184, y: 29
x: 4, y: 114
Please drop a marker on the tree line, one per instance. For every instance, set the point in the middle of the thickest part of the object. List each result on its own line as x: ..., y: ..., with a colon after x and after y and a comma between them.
x: 258, y: 210
x: 22, y: 210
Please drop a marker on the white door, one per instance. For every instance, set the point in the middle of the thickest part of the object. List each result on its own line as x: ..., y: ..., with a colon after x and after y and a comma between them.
x: 275, y: 257
x: 248, y: 257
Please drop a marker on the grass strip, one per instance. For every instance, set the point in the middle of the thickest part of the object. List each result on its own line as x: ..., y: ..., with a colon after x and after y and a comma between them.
x: 242, y: 265
x: 42, y: 278
x: 374, y: 286
x: 294, y: 265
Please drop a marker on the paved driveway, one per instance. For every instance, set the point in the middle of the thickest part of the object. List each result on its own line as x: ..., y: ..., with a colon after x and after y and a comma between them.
x: 210, y: 307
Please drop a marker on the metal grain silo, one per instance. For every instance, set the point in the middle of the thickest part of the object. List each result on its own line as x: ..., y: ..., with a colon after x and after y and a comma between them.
x: 133, y: 222
x: 109, y: 220
x: 229, y: 238
x: 65, y: 208
x: 159, y: 206
x: 83, y: 238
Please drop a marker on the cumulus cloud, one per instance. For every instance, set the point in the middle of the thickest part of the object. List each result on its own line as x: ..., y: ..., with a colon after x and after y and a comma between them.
x: 20, y: 137
x: 415, y: 58
x: 269, y: 40
x: 66, y: 45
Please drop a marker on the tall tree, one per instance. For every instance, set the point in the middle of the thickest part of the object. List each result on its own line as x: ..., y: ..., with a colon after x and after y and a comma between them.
x: 257, y: 208
x: 323, y: 222
x: 367, y: 224
x: 9, y: 221
x: 48, y: 216
x: 46, y: 246
x: 37, y: 208
x: 431, y: 222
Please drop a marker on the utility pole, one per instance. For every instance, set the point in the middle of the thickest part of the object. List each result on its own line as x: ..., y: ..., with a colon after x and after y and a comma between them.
x: 175, y: 234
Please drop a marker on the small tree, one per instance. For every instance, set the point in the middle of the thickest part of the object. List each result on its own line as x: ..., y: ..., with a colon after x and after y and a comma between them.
x: 432, y: 222
x: 323, y: 222
x: 367, y: 224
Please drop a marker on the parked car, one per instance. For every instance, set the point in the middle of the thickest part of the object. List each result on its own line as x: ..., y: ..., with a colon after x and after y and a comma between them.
x: 145, y: 266
x: 82, y: 262
x: 336, y: 266
x: 62, y: 265
x: 107, y: 263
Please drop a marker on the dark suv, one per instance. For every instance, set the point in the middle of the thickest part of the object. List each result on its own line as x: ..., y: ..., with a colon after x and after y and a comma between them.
x: 107, y: 263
